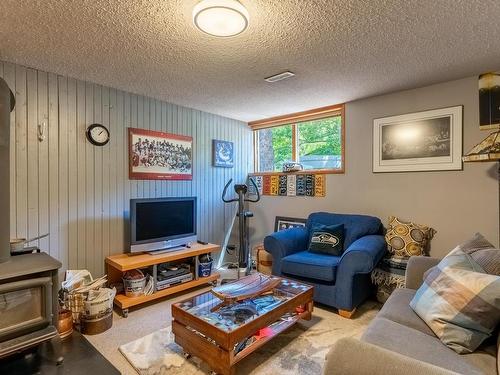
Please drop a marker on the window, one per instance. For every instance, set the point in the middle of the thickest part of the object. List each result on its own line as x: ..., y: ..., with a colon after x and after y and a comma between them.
x: 313, y: 138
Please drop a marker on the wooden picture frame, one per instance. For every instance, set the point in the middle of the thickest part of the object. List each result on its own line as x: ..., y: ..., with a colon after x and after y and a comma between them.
x: 421, y: 141
x: 171, y: 160
x: 283, y: 222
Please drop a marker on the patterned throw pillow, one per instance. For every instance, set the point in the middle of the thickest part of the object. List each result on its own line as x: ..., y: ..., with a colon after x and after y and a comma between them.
x: 458, y: 300
x: 327, y: 239
x: 405, y: 238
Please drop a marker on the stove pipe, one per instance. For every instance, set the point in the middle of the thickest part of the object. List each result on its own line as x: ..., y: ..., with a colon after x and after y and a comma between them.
x: 7, y: 103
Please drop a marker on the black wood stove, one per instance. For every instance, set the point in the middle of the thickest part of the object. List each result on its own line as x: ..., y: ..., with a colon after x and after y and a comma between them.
x: 28, y: 283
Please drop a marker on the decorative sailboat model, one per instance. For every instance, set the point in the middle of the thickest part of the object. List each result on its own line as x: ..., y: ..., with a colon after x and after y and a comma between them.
x: 247, y: 287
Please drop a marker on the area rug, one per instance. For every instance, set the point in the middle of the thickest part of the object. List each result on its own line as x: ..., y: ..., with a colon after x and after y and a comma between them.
x: 300, y: 350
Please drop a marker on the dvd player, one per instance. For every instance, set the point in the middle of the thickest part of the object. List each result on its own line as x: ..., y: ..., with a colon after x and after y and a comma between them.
x: 169, y: 275
x: 171, y: 281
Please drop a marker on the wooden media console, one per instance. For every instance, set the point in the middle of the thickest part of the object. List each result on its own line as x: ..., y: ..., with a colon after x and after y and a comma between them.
x: 117, y: 265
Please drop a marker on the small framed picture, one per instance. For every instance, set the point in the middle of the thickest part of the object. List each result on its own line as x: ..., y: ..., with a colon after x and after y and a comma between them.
x: 222, y: 153
x: 282, y: 223
x: 421, y: 141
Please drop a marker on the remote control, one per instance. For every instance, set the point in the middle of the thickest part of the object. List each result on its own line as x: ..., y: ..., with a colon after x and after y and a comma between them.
x: 202, y: 242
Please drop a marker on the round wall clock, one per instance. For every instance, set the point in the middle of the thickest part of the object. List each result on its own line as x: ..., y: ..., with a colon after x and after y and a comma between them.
x: 97, y: 134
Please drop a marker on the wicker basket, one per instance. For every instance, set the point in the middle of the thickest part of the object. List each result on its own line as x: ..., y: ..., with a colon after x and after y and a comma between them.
x: 264, y: 260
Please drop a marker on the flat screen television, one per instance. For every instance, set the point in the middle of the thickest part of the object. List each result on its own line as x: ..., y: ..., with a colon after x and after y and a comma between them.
x: 162, y: 224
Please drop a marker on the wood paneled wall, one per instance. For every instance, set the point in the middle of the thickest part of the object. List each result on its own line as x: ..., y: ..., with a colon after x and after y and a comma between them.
x: 80, y: 193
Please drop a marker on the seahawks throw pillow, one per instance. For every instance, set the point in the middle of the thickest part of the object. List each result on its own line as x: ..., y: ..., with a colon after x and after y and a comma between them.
x: 327, y: 239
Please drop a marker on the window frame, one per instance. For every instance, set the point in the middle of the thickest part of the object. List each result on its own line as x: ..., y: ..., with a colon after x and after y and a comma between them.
x: 294, y: 119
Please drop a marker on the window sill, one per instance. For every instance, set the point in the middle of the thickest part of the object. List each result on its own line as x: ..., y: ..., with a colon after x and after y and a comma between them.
x: 310, y: 171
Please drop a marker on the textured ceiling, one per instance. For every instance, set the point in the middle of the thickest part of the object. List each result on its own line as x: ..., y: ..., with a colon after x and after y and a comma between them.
x: 340, y: 50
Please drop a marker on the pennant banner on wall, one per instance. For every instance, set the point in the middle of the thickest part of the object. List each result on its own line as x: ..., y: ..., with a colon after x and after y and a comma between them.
x: 301, y: 185
x: 310, y: 185
x: 290, y: 186
x: 251, y: 187
x: 266, y: 185
x: 282, y: 185
x: 319, y: 185
x: 274, y: 185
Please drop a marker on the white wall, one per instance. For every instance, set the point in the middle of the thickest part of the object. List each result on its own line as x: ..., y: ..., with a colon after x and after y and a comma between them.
x: 80, y: 193
x: 455, y: 203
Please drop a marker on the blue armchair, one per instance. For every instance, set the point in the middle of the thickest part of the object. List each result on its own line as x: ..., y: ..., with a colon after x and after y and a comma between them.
x: 342, y: 281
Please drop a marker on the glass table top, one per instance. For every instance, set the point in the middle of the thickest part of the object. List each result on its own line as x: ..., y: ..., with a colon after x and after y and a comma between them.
x: 210, y: 308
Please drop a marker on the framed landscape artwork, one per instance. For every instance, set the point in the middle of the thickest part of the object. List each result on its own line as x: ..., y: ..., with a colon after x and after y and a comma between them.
x: 421, y: 141
x: 222, y: 153
x: 282, y: 223
x: 159, y: 156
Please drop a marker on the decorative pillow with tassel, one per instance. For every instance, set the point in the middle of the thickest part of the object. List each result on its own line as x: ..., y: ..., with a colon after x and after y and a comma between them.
x: 406, y: 239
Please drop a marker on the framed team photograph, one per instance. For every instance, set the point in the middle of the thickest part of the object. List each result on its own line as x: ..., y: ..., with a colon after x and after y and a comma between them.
x: 159, y: 156
x: 222, y: 153
x: 421, y: 141
x: 282, y: 223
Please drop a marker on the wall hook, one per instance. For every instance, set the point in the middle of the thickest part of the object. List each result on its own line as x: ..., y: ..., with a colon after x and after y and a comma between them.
x: 41, y: 130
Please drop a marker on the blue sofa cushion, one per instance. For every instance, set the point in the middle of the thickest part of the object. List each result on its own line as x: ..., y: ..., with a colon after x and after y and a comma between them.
x: 355, y: 226
x: 311, y: 265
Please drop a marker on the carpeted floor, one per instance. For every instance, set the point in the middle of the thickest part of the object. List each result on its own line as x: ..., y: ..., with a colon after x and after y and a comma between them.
x: 301, y: 349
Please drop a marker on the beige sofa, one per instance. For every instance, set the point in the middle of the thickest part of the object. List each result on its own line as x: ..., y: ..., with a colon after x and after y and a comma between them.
x: 397, y: 341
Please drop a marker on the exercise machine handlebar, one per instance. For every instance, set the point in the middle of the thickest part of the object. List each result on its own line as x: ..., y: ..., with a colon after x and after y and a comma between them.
x: 225, y: 191
x: 227, y: 200
x: 256, y: 190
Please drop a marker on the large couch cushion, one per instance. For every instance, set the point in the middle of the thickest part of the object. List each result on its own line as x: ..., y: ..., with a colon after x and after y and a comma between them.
x: 397, y: 309
x: 355, y: 226
x: 415, y: 344
x: 311, y: 265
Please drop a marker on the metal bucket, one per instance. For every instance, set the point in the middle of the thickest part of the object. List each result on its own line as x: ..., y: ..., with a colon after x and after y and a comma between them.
x: 134, y: 287
x: 204, y: 269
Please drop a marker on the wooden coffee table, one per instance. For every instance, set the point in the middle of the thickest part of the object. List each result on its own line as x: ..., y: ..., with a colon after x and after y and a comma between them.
x: 223, y: 337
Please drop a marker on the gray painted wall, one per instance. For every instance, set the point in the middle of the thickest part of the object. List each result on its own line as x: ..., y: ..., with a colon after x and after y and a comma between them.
x: 80, y: 193
x: 455, y: 203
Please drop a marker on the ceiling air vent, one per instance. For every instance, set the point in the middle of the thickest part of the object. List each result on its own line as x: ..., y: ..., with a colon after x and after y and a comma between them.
x: 279, y: 77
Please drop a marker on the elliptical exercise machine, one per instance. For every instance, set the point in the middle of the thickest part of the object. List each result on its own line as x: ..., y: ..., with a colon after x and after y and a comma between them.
x: 244, y: 254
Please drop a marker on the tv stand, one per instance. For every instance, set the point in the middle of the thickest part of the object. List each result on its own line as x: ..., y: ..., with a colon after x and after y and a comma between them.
x: 118, y: 264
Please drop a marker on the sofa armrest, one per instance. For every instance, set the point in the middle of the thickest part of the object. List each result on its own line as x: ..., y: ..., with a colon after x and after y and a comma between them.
x: 350, y: 356
x: 359, y: 259
x: 363, y: 254
x: 417, y: 266
x: 286, y: 242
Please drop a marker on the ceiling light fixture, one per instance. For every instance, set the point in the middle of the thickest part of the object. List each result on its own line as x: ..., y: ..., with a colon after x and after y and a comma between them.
x: 279, y: 77
x: 222, y: 18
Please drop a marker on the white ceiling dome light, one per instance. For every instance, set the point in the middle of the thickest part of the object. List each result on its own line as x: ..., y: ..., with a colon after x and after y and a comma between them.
x: 222, y: 18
